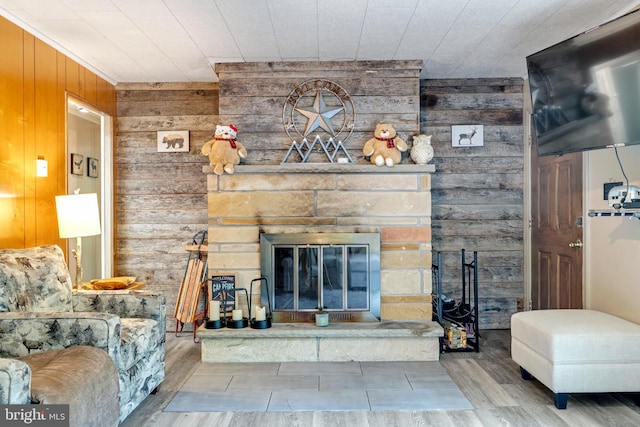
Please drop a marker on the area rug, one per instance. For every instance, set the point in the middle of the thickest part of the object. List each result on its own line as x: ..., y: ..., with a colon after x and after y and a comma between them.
x: 319, y: 386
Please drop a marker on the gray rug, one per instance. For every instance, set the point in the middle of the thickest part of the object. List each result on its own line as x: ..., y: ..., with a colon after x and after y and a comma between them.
x: 319, y: 386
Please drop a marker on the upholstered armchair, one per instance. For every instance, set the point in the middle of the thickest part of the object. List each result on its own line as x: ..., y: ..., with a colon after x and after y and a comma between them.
x: 39, y: 311
x: 14, y: 382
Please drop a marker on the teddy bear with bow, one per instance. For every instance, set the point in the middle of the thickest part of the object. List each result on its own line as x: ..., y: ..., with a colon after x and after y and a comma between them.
x: 224, y: 151
x: 386, y: 147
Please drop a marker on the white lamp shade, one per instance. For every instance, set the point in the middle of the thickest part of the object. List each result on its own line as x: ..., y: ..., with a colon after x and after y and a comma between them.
x: 78, y: 215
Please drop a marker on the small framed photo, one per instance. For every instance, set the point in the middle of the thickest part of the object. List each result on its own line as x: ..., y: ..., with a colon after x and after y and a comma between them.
x: 222, y: 285
x: 173, y: 141
x: 77, y: 164
x: 467, y: 136
x: 93, y: 166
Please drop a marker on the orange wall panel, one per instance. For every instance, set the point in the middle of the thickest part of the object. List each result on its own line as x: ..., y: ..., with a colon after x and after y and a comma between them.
x: 33, y: 87
x: 72, y: 76
x: 47, y: 103
x: 105, y: 97
x: 60, y: 162
x: 91, y: 81
x: 12, y: 150
x: 29, y: 134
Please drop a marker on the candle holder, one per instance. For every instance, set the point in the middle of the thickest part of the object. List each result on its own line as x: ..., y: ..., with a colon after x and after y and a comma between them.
x: 213, y: 320
x: 238, y: 324
x: 213, y: 324
x: 266, y: 322
x: 231, y: 322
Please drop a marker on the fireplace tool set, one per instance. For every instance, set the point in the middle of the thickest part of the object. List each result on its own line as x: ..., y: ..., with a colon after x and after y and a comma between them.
x: 223, y: 303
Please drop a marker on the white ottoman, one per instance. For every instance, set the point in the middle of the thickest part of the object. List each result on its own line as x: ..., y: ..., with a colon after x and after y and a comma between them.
x: 577, y: 351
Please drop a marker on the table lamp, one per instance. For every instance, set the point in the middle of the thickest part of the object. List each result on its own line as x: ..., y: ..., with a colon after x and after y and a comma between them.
x: 78, y: 217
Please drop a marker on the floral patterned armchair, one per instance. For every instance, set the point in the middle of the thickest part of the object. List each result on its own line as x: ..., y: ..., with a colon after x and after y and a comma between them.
x: 39, y: 312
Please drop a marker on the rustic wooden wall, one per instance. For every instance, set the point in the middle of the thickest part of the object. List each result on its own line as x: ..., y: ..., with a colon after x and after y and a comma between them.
x: 161, y: 198
x: 34, y: 81
x: 477, y: 192
x: 252, y: 96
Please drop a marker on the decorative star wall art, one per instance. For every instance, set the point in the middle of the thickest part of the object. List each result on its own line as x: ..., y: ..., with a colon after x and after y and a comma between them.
x: 324, y: 107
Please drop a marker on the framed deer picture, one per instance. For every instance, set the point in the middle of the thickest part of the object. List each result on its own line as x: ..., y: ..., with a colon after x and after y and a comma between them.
x: 467, y: 135
x: 92, y: 167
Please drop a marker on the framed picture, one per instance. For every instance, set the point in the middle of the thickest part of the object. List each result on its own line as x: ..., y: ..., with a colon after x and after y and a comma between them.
x: 77, y: 164
x: 173, y: 141
x: 222, y: 285
x: 93, y: 166
x: 467, y: 135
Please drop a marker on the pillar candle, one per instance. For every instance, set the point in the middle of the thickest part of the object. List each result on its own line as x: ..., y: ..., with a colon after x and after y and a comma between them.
x: 261, y: 313
x: 214, y: 310
x: 236, y: 314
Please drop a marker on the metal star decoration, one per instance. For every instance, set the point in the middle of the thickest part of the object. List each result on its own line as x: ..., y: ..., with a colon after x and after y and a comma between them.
x: 319, y: 116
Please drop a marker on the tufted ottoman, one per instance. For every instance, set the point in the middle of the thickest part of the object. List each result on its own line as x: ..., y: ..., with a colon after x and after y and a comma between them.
x: 577, y: 351
x: 83, y: 377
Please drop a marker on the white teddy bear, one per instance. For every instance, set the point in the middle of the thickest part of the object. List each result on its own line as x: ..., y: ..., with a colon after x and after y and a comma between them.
x: 224, y: 151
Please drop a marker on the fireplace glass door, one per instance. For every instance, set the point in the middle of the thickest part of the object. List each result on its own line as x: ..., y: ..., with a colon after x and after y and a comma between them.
x: 339, y: 272
x: 334, y: 277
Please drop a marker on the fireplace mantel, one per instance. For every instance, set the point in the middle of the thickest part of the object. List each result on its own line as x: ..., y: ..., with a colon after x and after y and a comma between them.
x: 332, y: 168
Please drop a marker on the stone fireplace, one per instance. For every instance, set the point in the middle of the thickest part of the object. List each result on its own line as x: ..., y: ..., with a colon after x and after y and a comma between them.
x: 330, y: 205
x: 266, y: 197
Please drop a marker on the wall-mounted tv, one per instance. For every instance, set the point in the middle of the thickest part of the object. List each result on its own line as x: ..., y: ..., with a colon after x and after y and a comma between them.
x: 585, y: 91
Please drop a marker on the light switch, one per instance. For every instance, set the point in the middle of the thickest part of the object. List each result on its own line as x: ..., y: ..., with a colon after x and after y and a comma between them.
x: 42, y: 168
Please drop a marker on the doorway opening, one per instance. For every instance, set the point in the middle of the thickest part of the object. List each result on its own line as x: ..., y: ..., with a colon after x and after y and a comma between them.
x: 90, y: 144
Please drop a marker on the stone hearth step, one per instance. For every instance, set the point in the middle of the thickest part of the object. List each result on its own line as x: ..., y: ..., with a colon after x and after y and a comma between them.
x: 340, y: 341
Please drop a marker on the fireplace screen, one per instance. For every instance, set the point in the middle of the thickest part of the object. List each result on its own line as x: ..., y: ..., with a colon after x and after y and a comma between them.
x: 339, y: 272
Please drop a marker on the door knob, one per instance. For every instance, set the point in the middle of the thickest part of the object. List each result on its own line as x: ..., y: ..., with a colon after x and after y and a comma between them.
x: 576, y: 244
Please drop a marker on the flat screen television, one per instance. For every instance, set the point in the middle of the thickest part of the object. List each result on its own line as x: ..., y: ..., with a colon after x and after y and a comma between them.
x: 585, y: 91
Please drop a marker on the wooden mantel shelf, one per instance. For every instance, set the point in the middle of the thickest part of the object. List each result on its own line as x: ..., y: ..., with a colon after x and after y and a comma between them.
x: 327, y: 168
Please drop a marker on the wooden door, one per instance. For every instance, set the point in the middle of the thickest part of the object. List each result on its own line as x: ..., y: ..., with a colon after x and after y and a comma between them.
x: 556, y: 228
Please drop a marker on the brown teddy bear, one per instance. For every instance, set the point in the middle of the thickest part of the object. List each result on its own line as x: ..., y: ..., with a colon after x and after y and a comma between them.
x: 224, y: 151
x: 386, y: 148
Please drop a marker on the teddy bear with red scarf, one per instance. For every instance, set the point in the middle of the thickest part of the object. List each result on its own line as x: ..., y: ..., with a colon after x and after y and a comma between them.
x: 386, y: 147
x: 224, y: 151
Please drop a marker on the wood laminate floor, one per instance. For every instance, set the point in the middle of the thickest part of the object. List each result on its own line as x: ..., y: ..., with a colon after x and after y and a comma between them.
x: 490, y: 380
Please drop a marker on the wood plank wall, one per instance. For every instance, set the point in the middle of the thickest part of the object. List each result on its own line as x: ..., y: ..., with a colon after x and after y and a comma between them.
x: 161, y: 198
x: 477, y: 192
x: 34, y: 81
x: 381, y: 91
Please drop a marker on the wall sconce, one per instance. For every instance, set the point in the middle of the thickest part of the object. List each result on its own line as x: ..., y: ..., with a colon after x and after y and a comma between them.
x: 42, y: 167
x: 78, y: 216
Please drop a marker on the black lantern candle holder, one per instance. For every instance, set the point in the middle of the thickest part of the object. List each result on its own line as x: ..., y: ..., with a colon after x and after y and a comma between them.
x: 266, y: 322
x: 210, y: 323
x: 236, y: 323
x: 213, y: 324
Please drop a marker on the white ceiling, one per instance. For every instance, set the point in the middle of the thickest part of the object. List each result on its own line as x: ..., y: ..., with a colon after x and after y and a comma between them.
x: 179, y: 40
